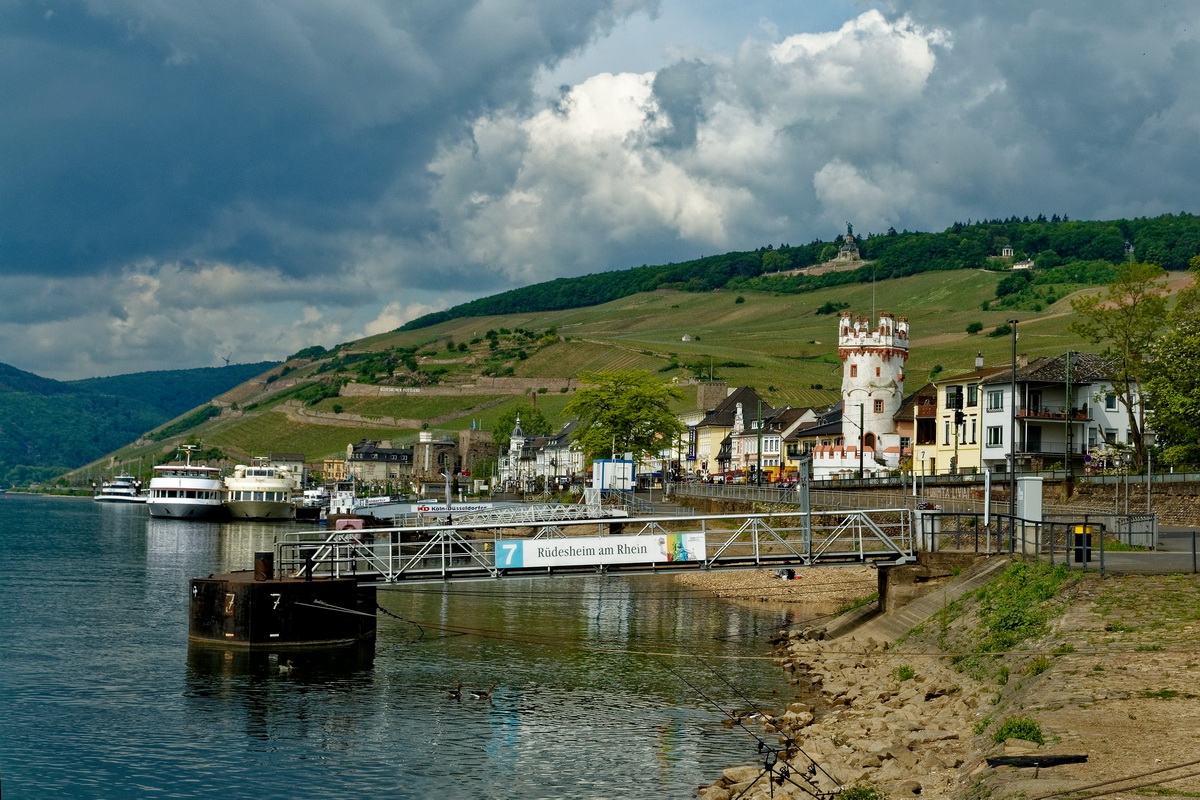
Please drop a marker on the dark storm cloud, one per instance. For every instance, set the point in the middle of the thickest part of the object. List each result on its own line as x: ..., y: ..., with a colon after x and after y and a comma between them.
x: 264, y: 132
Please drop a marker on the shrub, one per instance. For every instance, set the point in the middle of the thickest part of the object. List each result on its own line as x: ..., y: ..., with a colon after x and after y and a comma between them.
x: 974, y: 328
x: 904, y: 673
x: 1019, y: 728
x: 862, y: 791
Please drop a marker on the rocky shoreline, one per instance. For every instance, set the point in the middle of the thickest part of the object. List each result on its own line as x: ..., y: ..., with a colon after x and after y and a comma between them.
x: 900, y: 722
x: 1109, y: 680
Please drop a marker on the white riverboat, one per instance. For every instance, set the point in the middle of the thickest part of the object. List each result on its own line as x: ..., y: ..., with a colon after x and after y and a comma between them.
x: 186, y: 491
x: 262, y: 491
x: 121, y: 489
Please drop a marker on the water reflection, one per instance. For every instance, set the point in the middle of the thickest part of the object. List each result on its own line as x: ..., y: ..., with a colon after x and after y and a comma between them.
x: 605, y: 687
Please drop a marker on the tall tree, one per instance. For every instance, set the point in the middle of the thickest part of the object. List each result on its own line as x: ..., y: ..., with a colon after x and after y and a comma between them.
x: 1125, y: 318
x: 624, y: 411
x: 1173, y: 388
x: 533, y: 423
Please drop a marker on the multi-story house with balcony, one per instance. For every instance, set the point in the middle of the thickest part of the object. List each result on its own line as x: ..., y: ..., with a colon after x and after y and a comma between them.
x: 951, y: 445
x: 1065, y: 415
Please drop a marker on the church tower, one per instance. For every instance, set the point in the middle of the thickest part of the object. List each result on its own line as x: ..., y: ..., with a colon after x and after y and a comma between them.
x: 872, y: 377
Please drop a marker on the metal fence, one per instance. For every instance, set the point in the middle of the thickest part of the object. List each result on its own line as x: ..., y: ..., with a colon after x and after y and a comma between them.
x: 1130, y: 529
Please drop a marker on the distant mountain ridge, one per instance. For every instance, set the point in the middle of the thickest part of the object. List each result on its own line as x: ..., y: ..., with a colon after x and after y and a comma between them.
x: 49, y: 426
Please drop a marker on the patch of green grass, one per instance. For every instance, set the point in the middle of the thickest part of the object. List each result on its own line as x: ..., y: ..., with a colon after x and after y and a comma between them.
x: 904, y: 672
x: 1024, y: 728
x: 1038, y: 665
x: 1012, y: 608
x: 1161, y: 694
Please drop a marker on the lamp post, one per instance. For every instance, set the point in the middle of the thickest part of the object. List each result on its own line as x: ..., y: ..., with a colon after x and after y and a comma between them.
x: 1012, y: 440
x: 1148, y: 438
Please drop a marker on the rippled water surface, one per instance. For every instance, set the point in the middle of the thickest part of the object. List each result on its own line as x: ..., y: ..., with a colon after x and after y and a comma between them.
x: 604, y: 688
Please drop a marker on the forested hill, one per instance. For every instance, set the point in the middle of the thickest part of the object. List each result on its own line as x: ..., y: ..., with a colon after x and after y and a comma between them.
x: 49, y: 426
x: 1169, y: 241
x: 173, y: 392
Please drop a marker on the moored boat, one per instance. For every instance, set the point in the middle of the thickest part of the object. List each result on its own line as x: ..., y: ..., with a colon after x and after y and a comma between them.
x: 261, y: 491
x: 186, y: 491
x: 121, y: 489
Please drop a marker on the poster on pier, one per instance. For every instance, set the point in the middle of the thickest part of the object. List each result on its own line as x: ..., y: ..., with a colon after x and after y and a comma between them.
x: 577, y: 551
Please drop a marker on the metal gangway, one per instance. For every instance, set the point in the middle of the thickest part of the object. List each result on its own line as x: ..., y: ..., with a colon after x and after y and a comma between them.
x: 601, y: 545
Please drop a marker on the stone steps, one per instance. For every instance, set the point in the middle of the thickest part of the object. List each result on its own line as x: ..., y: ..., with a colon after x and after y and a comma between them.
x: 890, y: 627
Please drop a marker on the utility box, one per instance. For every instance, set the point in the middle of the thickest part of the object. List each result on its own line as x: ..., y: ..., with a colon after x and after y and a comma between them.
x: 1029, y: 514
x: 612, y: 475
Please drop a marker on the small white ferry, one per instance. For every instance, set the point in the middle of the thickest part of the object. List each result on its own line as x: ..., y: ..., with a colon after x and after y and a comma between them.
x: 121, y: 489
x: 261, y: 491
x: 186, y: 491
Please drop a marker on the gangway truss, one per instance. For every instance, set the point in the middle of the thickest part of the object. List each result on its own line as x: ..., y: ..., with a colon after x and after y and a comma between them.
x: 491, y: 549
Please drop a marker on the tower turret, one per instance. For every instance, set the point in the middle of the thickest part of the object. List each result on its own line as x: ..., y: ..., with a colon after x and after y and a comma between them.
x: 872, y: 375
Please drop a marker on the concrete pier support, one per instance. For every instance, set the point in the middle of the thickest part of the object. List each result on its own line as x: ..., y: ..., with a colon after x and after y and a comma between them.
x: 254, y: 609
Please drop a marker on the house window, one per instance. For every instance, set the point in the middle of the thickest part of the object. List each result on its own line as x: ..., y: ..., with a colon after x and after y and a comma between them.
x: 973, y: 424
x: 972, y: 395
x: 946, y: 432
x: 854, y: 370
x: 1110, y: 402
x: 878, y: 406
x: 995, y: 401
x: 905, y: 443
x: 1110, y: 435
x: 877, y: 372
x: 995, y: 436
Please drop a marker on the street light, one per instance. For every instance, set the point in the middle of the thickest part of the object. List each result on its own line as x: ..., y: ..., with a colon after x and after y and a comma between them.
x: 1148, y: 438
x: 1012, y: 441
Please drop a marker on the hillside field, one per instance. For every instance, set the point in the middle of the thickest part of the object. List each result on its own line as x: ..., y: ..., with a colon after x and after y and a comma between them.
x: 775, y: 342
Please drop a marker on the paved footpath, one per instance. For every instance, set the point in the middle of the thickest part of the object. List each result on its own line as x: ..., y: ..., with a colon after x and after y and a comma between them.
x: 1178, y: 551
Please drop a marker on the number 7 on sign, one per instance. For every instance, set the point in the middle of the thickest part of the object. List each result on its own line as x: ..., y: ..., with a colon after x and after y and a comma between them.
x: 510, y: 555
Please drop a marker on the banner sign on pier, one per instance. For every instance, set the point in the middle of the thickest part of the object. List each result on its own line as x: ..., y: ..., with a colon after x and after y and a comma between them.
x: 586, y: 550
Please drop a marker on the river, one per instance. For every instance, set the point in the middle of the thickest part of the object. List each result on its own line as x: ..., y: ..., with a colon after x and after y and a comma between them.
x: 604, y: 687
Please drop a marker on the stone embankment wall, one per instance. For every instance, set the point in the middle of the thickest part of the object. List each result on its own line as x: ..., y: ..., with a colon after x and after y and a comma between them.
x: 507, y: 386
x: 1176, y: 504
x: 297, y: 410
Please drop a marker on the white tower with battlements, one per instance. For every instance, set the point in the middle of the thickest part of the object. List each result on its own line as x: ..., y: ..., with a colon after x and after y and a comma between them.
x: 873, y: 384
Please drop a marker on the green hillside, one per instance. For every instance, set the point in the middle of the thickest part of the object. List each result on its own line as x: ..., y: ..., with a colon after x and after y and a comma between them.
x: 1170, y: 241
x: 766, y: 318
x: 785, y: 345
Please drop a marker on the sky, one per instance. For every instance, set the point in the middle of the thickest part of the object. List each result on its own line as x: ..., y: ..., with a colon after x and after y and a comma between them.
x: 188, y: 182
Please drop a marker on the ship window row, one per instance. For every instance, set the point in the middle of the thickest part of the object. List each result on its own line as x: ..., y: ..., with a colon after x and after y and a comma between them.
x: 252, y: 496
x: 189, y: 494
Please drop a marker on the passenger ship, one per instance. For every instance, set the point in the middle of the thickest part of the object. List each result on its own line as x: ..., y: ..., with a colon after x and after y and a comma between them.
x: 261, y: 491
x: 121, y: 489
x: 186, y: 491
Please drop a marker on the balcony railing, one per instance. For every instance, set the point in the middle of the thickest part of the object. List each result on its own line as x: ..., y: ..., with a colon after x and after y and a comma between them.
x: 1054, y: 412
